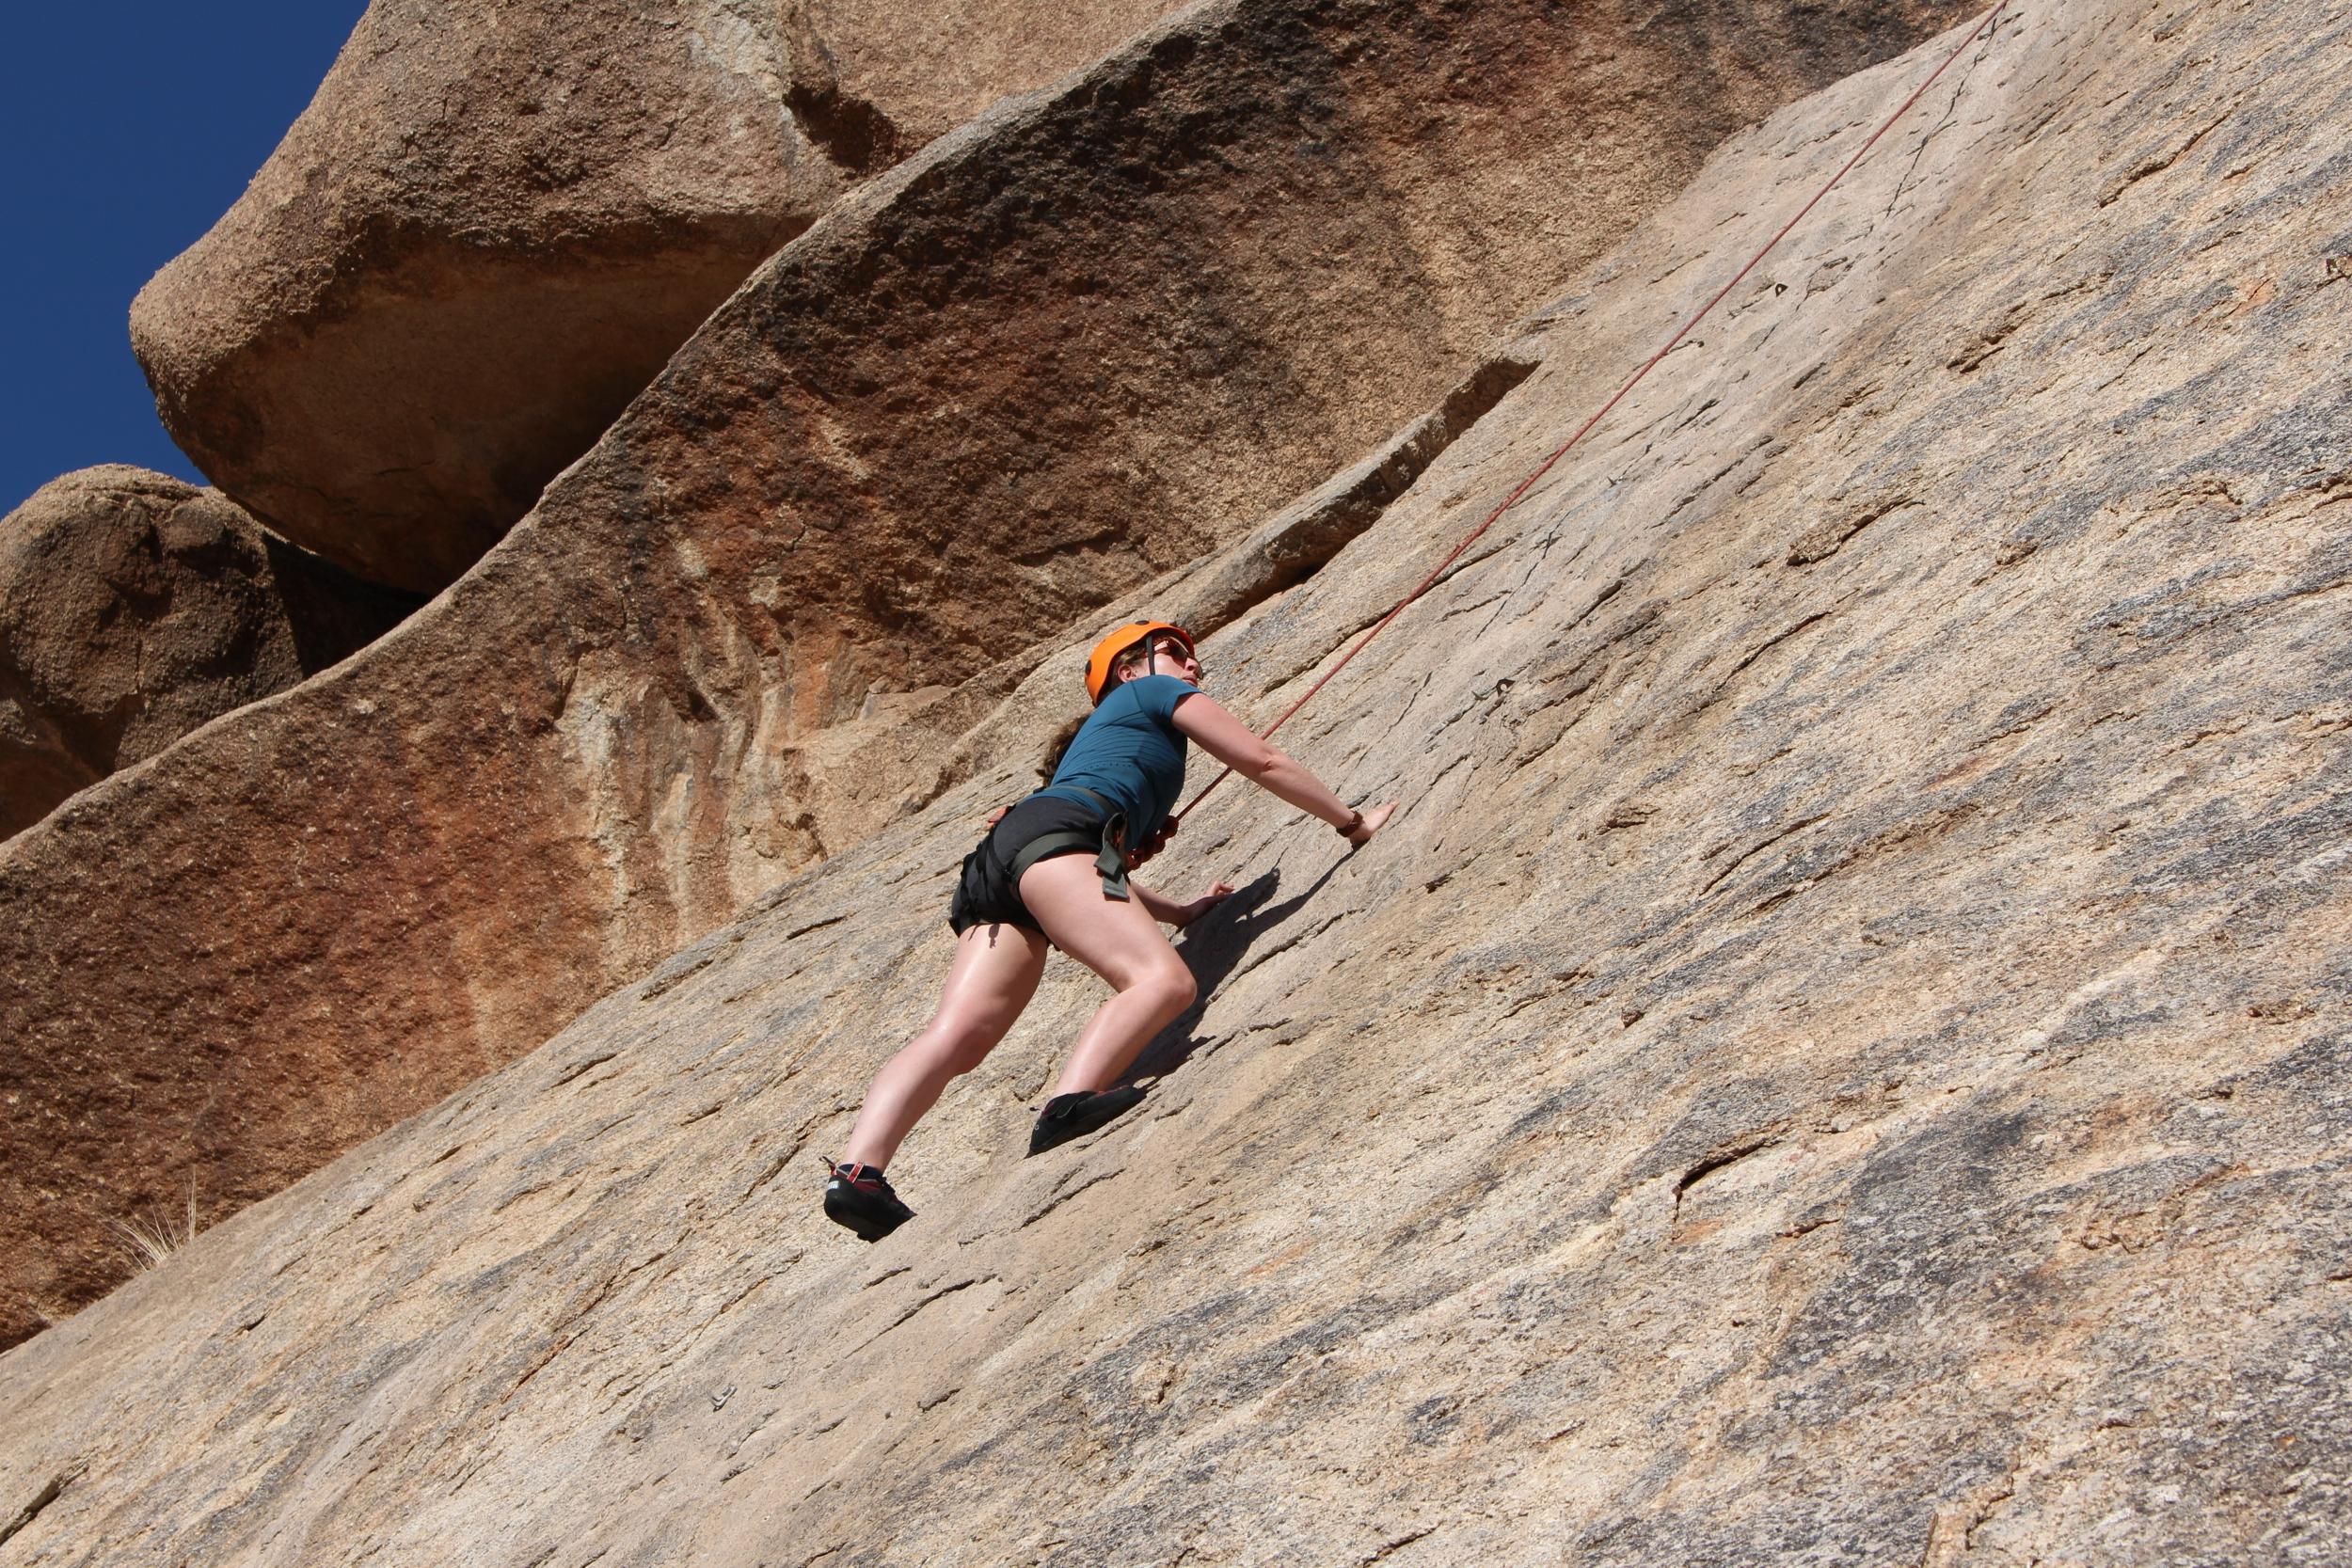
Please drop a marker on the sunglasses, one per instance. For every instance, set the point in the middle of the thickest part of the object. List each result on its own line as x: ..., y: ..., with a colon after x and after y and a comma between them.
x: 1172, y: 649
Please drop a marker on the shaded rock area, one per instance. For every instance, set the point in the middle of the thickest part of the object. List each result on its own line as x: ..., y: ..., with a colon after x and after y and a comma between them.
x: 498, y: 218
x: 1082, y: 341
x: 1841, y: 1058
x: 134, y: 608
x: 872, y: 83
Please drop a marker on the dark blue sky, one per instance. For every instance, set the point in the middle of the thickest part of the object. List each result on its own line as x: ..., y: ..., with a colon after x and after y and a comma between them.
x: 124, y: 131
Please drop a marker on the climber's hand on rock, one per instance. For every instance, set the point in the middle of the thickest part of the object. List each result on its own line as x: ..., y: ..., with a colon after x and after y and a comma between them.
x: 1371, y: 822
x: 1187, y: 913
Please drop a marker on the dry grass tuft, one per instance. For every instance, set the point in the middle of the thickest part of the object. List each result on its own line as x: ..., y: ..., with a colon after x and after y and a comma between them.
x: 152, y: 1238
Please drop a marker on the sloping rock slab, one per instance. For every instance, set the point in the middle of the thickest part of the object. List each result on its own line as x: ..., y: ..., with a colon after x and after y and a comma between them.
x: 496, y: 220
x: 135, y: 607
x: 1841, y: 1060
x: 1077, y: 343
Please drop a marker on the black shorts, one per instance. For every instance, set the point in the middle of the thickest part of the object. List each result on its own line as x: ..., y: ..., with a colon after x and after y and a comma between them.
x: 987, y: 893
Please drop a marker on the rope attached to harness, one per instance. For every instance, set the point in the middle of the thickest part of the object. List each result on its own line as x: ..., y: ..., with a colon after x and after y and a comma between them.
x: 1544, y: 468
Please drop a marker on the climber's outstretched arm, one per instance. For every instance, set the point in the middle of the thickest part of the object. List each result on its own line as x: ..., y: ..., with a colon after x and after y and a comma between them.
x: 1170, y: 912
x: 1263, y: 763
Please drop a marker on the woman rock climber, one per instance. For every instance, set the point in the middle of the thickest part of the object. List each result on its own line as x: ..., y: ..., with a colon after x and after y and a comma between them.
x: 1052, y: 870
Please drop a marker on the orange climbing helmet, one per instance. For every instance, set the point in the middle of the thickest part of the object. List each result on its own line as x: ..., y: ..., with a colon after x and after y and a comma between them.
x: 1107, y: 652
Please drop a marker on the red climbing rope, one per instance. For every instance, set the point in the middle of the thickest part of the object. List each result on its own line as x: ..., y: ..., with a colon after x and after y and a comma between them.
x: 1683, y: 331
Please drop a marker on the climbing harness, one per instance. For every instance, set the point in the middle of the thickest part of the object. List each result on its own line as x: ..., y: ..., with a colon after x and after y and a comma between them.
x: 1544, y: 467
x: 1109, y: 841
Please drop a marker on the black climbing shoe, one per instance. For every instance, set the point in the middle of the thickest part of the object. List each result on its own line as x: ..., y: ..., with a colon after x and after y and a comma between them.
x: 859, y: 1198
x: 1073, y: 1115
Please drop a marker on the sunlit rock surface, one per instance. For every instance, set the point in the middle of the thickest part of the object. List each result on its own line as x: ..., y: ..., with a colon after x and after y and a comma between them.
x: 1081, y: 340
x: 1841, y: 1058
x: 498, y: 218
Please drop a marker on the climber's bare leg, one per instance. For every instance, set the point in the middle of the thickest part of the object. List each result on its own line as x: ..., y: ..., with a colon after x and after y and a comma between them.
x: 1121, y: 943
x: 995, y: 975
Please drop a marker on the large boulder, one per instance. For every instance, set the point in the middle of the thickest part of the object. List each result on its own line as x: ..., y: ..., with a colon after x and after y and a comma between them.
x: 1841, y: 1060
x: 498, y: 218
x: 135, y: 607
x: 1072, y: 345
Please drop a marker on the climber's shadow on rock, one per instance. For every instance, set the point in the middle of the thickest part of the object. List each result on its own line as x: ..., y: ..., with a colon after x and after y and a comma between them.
x: 1215, y: 946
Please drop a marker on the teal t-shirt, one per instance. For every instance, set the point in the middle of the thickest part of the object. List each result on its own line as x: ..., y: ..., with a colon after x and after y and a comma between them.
x: 1130, y: 753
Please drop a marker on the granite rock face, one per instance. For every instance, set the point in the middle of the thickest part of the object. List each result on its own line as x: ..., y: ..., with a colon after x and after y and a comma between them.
x: 1842, y: 1058
x: 1077, y: 343
x: 134, y: 608
x: 498, y: 218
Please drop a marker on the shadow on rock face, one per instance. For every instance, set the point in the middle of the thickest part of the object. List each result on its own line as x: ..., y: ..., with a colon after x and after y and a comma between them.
x: 1213, y: 949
